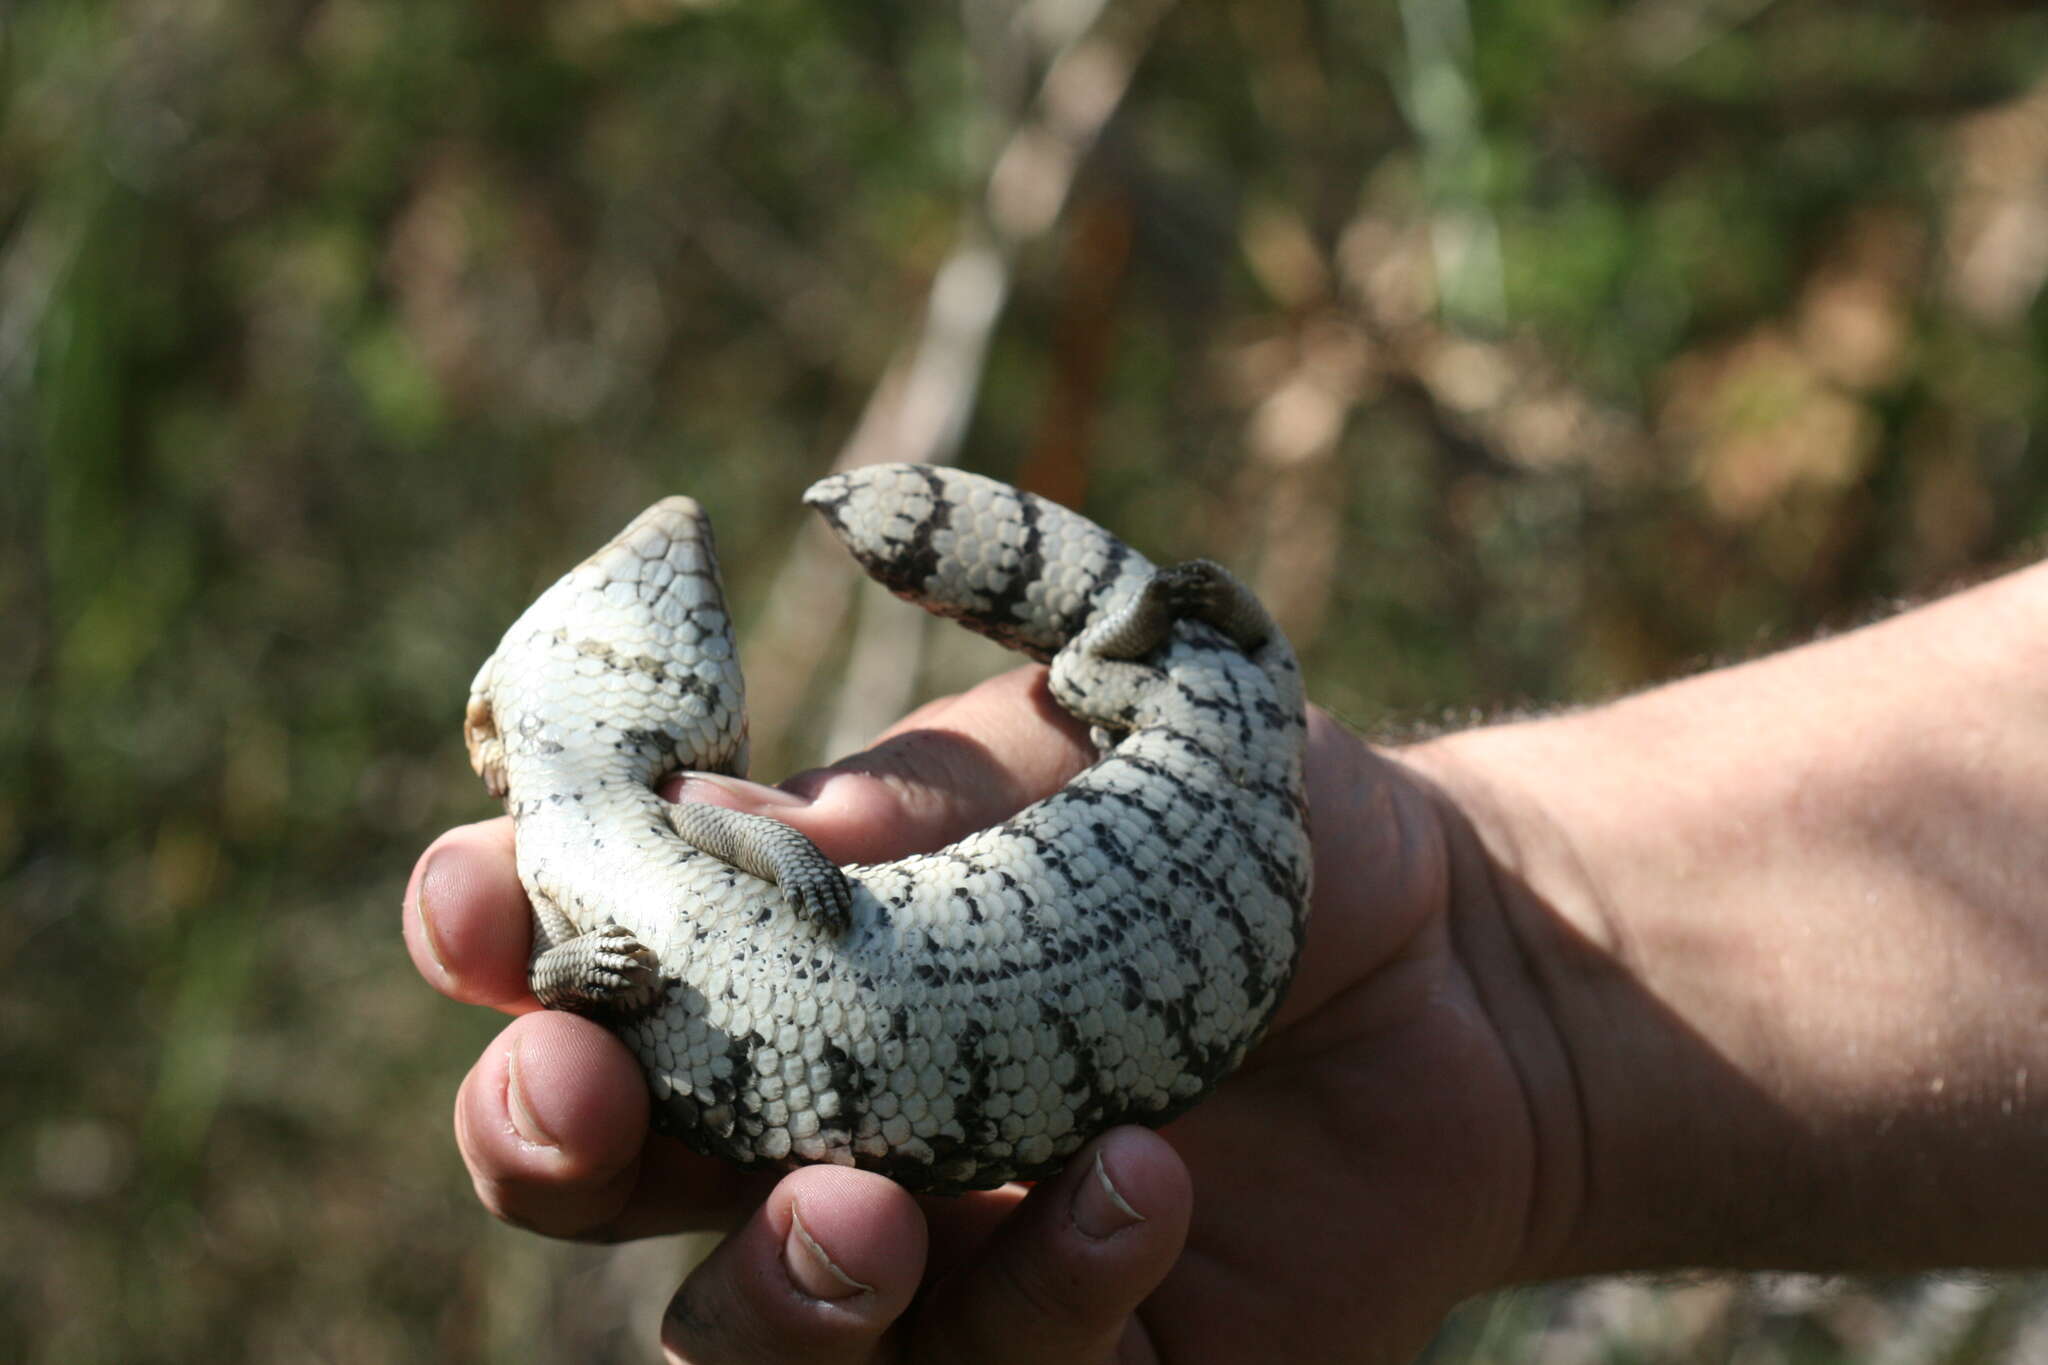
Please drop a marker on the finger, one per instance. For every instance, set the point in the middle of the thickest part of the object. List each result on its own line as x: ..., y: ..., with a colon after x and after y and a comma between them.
x: 954, y: 766
x: 948, y: 769
x: 552, y: 1122
x: 467, y: 923
x: 1062, y: 1278
x: 959, y: 1225
x: 818, y: 1274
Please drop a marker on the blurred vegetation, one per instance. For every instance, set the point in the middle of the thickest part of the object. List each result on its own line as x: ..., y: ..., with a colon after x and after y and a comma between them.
x: 1522, y: 351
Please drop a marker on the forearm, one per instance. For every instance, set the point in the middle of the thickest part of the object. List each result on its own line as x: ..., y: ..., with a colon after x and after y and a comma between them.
x: 1791, y: 923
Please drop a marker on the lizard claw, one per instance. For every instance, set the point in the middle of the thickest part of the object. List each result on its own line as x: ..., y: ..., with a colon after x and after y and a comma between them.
x: 603, y: 971
x: 821, y: 895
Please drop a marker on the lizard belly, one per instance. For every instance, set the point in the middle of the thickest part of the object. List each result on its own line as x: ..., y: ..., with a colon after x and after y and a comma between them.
x: 1106, y: 956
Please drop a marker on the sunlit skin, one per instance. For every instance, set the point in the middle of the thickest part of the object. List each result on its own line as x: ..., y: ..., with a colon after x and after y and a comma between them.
x: 1666, y: 982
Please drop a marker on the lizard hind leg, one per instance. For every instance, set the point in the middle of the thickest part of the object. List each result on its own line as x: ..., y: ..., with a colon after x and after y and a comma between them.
x: 1100, y: 676
x: 603, y: 971
x: 1196, y: 590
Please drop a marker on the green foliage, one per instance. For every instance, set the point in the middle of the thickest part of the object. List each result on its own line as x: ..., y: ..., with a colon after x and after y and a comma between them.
x: 1523, y: 350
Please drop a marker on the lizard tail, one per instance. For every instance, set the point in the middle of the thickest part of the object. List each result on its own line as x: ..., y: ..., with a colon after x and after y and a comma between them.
x: 1007, y: 564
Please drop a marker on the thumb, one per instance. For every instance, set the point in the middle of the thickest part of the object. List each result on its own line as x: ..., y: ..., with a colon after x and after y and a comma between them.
x: 949, y: 768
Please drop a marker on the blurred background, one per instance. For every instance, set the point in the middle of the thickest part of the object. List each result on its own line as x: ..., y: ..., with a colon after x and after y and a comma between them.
x: 1520, y: 351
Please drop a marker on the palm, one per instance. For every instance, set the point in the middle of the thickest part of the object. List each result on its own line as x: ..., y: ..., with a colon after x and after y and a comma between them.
x: 1355, y: 1180
x: 1370, y: 1163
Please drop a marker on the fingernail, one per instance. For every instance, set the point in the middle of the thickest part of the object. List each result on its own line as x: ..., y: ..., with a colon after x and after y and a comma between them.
x: 811, y: 1269
x: 519, y: 1109
x: 1099, y: 1210
x: 752, y: 793
x: 433, y: 879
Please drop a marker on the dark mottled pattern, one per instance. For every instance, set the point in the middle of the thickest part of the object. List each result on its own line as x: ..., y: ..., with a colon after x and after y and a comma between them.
x: 1105, y: 956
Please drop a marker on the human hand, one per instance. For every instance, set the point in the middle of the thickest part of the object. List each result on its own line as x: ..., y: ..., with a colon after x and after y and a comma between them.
x: 1373, y: 1161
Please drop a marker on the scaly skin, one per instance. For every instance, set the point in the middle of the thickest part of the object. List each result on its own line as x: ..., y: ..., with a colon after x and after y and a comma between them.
x: 954, y: 1020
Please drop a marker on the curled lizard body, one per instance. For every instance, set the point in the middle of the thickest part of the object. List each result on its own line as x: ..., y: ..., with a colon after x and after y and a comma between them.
x: 956, y: 1019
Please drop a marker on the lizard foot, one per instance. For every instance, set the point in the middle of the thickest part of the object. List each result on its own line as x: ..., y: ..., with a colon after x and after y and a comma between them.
x: 812, y: 885
x: 603, y: 971
x: 1195, y: 590
x: 1103, y: 674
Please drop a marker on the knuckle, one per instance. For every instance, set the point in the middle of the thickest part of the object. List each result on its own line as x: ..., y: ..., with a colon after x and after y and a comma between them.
x: 720, y: 1315
x: 1068, y: 1320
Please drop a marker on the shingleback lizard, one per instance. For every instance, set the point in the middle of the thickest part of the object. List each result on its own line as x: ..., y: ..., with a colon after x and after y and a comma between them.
x: 955, y: 1019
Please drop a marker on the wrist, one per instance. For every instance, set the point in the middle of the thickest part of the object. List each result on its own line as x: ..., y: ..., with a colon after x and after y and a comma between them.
x: 1649, y: 1140
x: 1524, y: 952
x: 1783, y: 923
